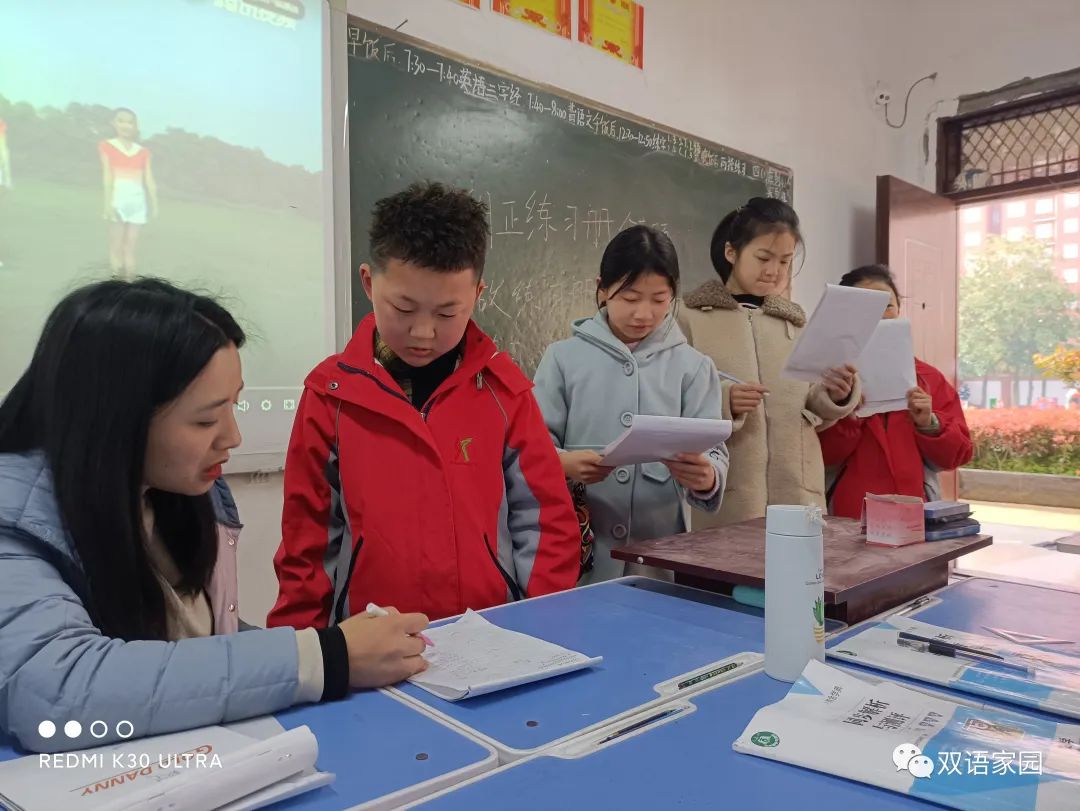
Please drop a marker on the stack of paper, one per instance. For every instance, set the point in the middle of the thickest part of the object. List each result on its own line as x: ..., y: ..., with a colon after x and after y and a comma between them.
x: 887, y: 368
x: 472, y: 657
x: 1052, y: 682
x: 969, y: 757
x: 654, y: 439
x: 838, y: 332
x: 213, y: 768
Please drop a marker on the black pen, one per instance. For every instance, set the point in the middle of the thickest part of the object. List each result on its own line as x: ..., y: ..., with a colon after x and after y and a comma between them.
x: 644, y: 722
x: 930, y: 640
x: 939, y: 648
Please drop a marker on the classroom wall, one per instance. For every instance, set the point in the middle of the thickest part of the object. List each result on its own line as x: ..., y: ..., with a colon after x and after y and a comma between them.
x: 975, y: 46
x: 791, y: 82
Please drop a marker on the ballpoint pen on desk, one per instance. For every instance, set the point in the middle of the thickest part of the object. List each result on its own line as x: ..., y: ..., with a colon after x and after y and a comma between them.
x: 376, y: 611
x: 644, y: 722
x: 939, y: 648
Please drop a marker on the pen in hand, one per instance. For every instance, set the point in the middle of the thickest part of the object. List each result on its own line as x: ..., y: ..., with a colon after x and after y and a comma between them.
x: 377, y: 611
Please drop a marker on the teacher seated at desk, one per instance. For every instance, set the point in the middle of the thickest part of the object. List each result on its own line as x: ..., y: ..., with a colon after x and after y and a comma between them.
x: 118, y: 537
x: 899, y: 452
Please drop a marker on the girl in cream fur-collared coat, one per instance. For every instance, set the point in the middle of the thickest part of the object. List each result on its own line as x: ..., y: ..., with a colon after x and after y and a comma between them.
x: 749, y: 331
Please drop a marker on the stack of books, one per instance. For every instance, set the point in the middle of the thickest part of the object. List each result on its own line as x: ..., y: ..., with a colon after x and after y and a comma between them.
x: 949, y: 519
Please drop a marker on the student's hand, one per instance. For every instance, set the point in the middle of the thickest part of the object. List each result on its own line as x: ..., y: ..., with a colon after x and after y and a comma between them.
x: 584, y: 466
x: 383, y: 650
x: 839, y: 382
x: 745, y: 397
x: 693, y: 471
x: 920, y: 407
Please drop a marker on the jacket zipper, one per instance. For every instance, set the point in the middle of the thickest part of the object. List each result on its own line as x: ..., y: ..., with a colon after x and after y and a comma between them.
x: 339, y: 609
x: 757, y: 360
x: 515, y: 589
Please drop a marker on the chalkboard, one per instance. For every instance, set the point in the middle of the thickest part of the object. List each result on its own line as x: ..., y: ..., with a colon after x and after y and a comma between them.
x: 561, y: 176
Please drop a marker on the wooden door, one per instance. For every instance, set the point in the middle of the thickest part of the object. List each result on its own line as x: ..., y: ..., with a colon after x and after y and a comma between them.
x: 916, y: 237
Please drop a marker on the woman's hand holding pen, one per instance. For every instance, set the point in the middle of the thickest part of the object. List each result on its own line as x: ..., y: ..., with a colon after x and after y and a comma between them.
x: 384, y: 650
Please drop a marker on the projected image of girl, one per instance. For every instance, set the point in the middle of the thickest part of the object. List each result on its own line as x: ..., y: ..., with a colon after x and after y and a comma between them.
x: 130, y: 190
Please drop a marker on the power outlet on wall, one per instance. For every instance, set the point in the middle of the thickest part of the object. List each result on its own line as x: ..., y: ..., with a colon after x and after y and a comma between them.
x: 882, y: 95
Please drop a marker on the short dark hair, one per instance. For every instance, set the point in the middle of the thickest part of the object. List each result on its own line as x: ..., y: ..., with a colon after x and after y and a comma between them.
x: 110, y: 356
x: 636, y: 251
x: 431, y: 225
x: 758, y: 216
x: 871, y: 273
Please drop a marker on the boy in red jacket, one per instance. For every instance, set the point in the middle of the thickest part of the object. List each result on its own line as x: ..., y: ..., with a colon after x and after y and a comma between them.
x: 420, y: 473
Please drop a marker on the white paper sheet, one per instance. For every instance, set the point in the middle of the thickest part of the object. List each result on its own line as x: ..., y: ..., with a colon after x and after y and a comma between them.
x: 654, y: 439
x: 887, y: 368
x: 838, y: 331
x: 472, y: 657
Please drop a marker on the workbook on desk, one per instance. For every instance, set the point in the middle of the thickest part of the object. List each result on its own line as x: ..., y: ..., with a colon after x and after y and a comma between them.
x: 472, y: 657
x: 958, y: 754
x: 975, y: 664
x: 248, y: 766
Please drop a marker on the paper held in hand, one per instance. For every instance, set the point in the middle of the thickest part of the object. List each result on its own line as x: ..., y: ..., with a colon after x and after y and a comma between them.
x: 838, y: 332
x: 887, y: 368
x: 654, y: 439
x: 472, y: 657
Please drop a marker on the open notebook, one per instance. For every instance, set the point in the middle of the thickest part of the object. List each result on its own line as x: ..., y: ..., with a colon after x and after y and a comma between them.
x: 472, y: 657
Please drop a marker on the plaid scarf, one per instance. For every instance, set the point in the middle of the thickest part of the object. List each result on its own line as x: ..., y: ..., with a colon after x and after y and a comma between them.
x: 417, y: 382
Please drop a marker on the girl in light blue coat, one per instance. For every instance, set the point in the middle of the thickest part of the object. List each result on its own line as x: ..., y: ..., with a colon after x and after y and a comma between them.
x: 631, y: 358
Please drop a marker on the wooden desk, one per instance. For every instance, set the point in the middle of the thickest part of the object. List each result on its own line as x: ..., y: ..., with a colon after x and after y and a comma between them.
x: 860, y: 580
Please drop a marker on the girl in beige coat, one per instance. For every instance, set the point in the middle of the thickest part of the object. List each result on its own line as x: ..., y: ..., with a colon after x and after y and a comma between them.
x: 745, y: 323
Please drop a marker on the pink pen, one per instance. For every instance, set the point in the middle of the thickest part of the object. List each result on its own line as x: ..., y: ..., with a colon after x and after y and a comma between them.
x: 375, y: 611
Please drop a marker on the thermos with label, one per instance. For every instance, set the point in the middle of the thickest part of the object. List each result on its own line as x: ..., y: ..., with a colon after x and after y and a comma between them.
x: 794, y: 590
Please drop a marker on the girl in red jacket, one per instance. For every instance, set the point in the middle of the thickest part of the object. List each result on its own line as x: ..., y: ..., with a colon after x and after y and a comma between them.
x: 898, y: 452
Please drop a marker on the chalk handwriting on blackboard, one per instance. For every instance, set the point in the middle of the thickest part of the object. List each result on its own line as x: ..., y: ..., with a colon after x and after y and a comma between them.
x: 370, y: 47
x: 537, y: 216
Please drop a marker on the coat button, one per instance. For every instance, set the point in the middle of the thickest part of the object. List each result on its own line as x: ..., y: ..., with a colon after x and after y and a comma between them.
x: 622, y: 475
x: 628, y: 367
x: 333, y: 386
x: 619, y: 531
x: 626, y: 419
x: 232, y: 606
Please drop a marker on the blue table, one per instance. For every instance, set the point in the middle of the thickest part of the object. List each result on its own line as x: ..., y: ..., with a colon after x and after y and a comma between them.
x: 380, y: 749
x: 648, y: 633
x: 969, y: 605
x: 685, y: 762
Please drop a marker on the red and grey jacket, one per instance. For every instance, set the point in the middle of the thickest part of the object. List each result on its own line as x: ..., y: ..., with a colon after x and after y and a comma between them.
x: 461, y: 504
x: 885, y: 453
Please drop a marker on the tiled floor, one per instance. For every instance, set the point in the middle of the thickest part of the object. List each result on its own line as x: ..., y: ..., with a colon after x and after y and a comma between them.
x: 1024, y: 544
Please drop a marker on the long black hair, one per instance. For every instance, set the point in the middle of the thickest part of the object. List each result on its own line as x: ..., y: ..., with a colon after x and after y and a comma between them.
x: 634, y: 252
x: 758, y: 216
x: 110, y: 356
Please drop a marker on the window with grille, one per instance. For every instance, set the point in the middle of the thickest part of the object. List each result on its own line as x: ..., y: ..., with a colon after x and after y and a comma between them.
x: 1012, y: 147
